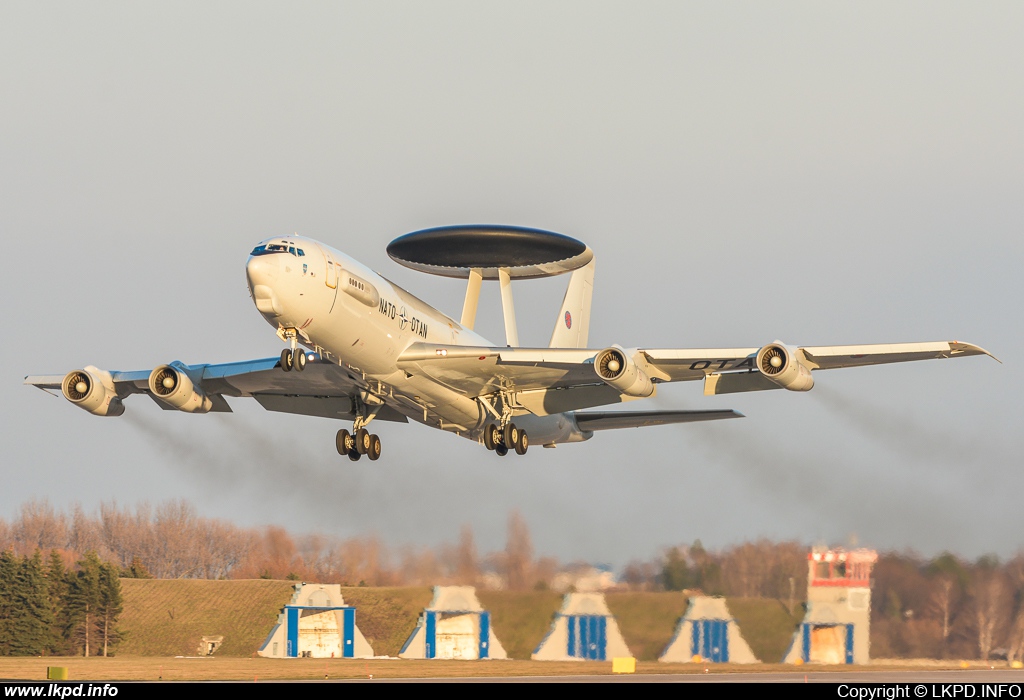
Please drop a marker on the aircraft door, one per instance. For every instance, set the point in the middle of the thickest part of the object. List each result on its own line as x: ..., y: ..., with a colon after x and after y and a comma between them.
x: 332, y: 271
x: 331, y: 278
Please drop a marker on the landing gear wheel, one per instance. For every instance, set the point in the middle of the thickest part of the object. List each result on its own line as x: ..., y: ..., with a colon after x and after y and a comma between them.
x: 510, y: 438
x: 344, y: 442
x: 500, y: 450
x: 299, y: 360
x: 374, y: 452
x: 286, y: 360
x: 492, y: 436
x: 354, y: 456
x: 523, y: 444
x: 362, y: 441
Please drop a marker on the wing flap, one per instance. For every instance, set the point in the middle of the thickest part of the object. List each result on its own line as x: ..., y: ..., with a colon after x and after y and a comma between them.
x: 736, y: 382
x: 545, y: 402
x: 613, y: 420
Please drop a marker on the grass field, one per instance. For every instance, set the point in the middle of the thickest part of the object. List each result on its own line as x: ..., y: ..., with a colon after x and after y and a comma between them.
x: 169, y: 617
x: 520, y: 620
x: 387, y: 616
x: 647, y: 620
x: 136, y: 668
x: 766, y: 625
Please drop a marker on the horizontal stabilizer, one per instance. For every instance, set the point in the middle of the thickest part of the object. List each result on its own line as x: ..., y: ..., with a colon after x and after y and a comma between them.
x: 612, y: 420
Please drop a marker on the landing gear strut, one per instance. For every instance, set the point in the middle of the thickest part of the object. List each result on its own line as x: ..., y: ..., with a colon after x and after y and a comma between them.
x: 504, y: 435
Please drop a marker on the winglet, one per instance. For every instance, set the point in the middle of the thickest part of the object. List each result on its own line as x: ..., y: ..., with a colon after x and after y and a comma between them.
x: 957, y: 348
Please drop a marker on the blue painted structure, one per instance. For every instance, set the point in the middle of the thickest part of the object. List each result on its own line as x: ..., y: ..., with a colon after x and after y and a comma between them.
x: 292, y: 614
x: 587, y: 637
x: 711, y: 639
x: 429, y: 625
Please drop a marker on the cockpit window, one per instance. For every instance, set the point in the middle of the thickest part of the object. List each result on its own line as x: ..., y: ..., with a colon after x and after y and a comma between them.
x: 277, y: 248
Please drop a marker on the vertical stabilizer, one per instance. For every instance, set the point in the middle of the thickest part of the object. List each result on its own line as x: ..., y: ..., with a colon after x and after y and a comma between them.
x: 572, y: 329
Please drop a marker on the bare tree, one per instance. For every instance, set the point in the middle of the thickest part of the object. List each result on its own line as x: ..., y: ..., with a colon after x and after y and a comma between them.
x: 943, y: 603
x: 467, y: 564
x: 990, y: 597
x: 518, y: 558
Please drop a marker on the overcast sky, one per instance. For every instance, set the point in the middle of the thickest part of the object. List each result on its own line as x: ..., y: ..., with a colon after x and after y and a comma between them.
x: 817, y: 173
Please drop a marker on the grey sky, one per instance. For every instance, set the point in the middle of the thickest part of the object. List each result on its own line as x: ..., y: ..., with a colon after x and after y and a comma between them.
x: 744, y: 172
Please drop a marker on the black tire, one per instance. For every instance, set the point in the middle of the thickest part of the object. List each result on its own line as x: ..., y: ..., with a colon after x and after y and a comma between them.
x: 362, y: 440
x: 299, y: 359
x: 500, y: 450
x: 286, y: 360
x: 374, y: 452
x: 354, y: 456
x: 490, y: 431
x: 524, y: 443
x: 511, y: 436
x: 343, y: 441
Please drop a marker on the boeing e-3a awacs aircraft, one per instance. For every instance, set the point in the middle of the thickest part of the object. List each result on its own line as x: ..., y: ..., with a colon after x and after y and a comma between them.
x: 372, y: 351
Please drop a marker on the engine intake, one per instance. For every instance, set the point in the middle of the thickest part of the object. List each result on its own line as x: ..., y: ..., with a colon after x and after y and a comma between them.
x: 172, y: 386
x: 617, y: 369
x: 781, y: 364
x: 93, y: 390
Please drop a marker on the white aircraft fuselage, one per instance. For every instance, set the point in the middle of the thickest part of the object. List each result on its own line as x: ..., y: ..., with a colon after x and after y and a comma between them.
x: 349, y: 315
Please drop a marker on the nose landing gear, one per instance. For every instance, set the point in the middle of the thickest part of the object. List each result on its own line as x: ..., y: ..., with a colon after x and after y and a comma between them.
x: 293, y: 357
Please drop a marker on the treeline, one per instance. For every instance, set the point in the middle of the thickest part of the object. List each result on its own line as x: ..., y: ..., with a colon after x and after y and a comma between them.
x: 171, y: 540
x: 944, y: 607
x: 47, y: 608
x: 939, y: 608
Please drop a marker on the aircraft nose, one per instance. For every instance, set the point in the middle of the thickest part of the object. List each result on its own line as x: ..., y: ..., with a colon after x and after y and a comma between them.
x: 262, y: 269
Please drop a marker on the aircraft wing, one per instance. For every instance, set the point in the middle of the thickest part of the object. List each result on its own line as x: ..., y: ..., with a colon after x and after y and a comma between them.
x: 550, y: 380
x: 322, y: 389
x: 838, y: 356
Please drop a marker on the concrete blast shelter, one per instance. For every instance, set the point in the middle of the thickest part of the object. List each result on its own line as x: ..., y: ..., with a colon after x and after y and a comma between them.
x: 453, y: 626
x: 583, y: 629
x: 316, y: 623
x: 836, y: 627
x: 707, y: 632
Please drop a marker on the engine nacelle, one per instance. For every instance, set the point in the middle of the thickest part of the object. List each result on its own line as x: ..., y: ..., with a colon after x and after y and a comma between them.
x: 172, y: 386
x: 92, y: 389
x: 617, y: 369
x: 780, y: 364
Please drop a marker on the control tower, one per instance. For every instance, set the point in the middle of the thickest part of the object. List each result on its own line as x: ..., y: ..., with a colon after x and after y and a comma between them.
x: 836, y: 628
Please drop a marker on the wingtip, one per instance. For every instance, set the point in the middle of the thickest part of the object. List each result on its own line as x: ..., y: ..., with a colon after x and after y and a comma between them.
x: 978, y: 350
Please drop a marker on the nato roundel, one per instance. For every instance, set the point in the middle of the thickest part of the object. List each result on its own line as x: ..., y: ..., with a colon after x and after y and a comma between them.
x: 568, y: 320
x: 452, y: 251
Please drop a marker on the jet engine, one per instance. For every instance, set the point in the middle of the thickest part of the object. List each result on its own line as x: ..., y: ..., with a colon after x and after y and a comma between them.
x: 172, y: 386
x: 93, y: 390
x: 616, y: 368
x: 780, y: 364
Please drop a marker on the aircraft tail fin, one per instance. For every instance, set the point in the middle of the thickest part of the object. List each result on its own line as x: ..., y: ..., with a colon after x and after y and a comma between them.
x: 572, y: 329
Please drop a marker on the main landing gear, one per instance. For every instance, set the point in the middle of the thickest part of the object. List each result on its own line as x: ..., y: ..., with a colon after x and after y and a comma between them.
x: 358, y: 444
x: 501, y: 440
